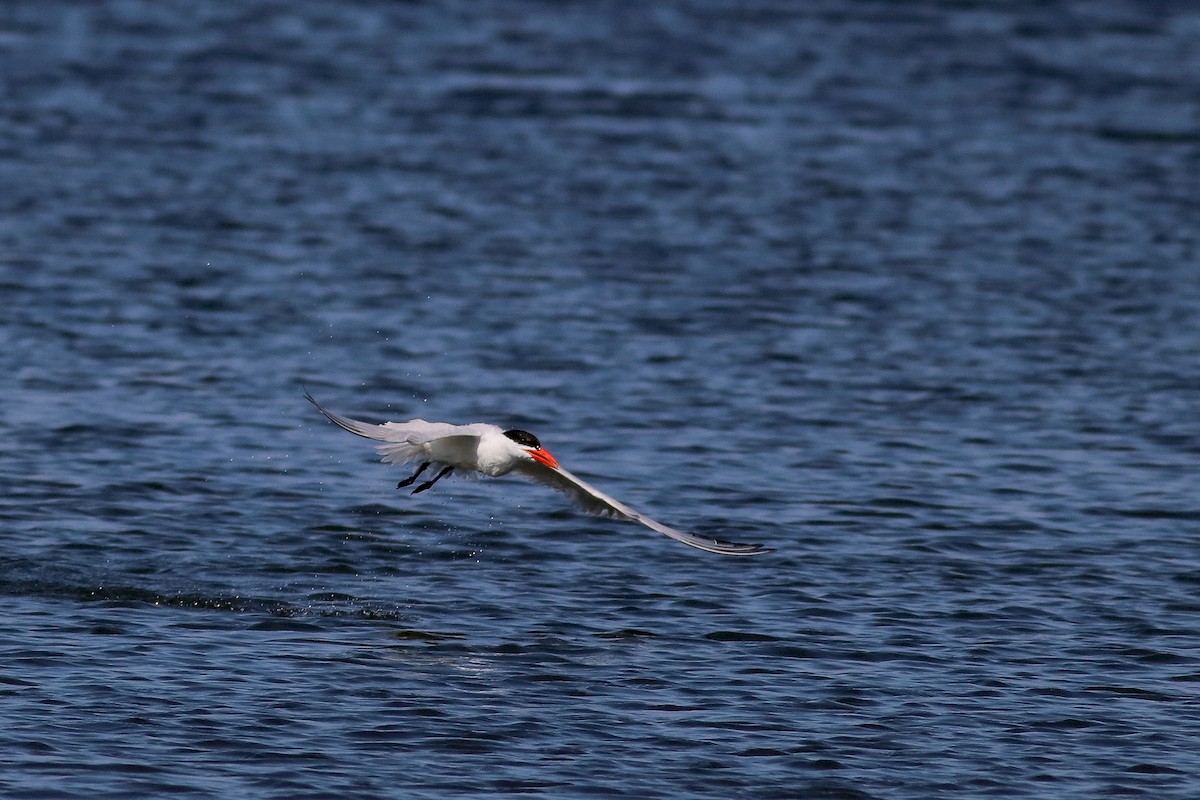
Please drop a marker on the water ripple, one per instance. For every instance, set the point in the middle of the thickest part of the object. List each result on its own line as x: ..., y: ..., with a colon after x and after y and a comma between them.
x: 905, y: 291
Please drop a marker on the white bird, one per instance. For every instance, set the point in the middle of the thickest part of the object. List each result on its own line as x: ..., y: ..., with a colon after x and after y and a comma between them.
x: 492, y: 451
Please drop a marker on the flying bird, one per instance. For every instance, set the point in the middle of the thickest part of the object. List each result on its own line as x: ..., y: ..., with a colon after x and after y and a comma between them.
x: 490, y: 450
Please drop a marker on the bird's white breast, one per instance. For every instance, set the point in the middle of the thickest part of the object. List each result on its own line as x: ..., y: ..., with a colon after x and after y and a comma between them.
x: 496, y: 455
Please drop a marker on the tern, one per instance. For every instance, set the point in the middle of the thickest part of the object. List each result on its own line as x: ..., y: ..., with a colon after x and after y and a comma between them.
x: 482, y: 448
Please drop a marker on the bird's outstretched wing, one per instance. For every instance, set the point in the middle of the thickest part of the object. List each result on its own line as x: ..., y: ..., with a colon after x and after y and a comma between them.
x: 594, y: 501
x: 402, y: 441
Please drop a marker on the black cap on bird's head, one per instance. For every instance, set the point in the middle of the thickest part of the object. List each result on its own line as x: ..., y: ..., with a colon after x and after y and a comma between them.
x: 533, y: 447
x: 523, y: 437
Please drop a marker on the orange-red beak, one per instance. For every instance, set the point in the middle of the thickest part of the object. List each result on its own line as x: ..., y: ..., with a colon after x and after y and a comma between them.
x: 544, y: 457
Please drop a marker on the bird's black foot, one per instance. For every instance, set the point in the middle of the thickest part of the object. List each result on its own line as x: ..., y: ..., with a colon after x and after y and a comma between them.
x: 436, y: 478
x: 409, y: 481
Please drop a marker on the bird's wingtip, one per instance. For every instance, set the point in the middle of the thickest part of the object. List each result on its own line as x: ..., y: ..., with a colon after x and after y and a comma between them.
x: 750, y: 550
x: 308, y: 396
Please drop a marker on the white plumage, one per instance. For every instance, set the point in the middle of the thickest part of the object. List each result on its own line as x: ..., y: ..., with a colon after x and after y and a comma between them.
x: 492, y: 451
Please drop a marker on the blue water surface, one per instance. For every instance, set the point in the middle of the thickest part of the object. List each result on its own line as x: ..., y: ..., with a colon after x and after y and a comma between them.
x: 908, y: 291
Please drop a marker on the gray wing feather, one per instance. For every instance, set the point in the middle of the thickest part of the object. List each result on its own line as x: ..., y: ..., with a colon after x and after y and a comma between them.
x: 594, y: 501
x: 402, y: 441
